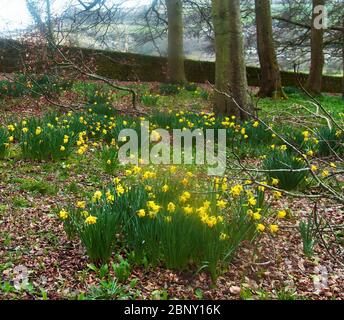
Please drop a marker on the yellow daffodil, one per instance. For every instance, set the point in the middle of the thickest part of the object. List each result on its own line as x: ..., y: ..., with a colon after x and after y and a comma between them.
x: 82, y: 150
x: 168, y: 219
x: 153, y: 206
x: 120, y: 190
x: 221, y: 204
x: 261, y: 188
x: 305, y: 135
x: 314, y: 168
x: 219, y: 218
x: 211, y: 221
x: 136, y: 170
x: 81, y: 204
x: 149, y: 175
x: 173, y: 169
x: 281, y: 214
x: 260, y: 227
x: 274, y: 182
x: 97, y: 196
x: 91, y: 220
x: 277, y: 195
x: 236, y: 190
x: 155, y: 136
x: 273, y: 228
x: 171, y: 207
x: 249, y: 212
x: 152, y: 214
x: 141, y: 213
x: 310, y: 153
x: 185, y: 181
x: 332, y: 165
x: 325, y: 173
x: 252, y: 201
x: 63, y: 214
x: 223, y: 236
x: 110, y: 197
x: 148, y: 188
x: 189, y: 174
x: 188, y: 210
x: 38, y: 131
x: 116, y: 180
x: 256, y: 216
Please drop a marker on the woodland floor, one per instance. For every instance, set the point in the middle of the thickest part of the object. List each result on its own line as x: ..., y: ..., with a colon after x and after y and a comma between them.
x: 31, y: 236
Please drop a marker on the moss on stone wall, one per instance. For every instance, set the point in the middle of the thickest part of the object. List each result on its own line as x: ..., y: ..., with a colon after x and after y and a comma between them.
x: 134, y: 67
x: 10, y: 53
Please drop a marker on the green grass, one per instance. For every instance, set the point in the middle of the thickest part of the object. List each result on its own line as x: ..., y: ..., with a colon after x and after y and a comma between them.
x: 3, y: 209
x: 20, y: 202
x: 333, y: 104
x: 37, y: 186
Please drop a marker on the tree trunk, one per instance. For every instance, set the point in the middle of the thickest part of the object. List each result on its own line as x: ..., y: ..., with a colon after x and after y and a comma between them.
x: 230, y: 65
x: 176, y: 71
x: 314, y: 82
x: 50, y: 34
x: 343, y: 60
x: 221, y: 28
x: 270, y: 81
x: 238, y: 86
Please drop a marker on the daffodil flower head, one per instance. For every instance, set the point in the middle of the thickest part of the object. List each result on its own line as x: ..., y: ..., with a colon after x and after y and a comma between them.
x: 97, y: 196
x: 273, y: 228
x: 91, y: 220
x: 171, y: 207
x: 260, y: 227
x: 63, y: 214
x: 281, y: 214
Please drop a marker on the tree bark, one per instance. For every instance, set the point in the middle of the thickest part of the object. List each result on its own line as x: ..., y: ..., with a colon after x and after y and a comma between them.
x: 314, y: 83
x: 176, y: 71
x: 270, y: 81
x: 230, y: 64
x: 50, y: 33
x: 220, y: 16
x: 33, y: 9
x: 237, y: 69
x: 343, y: 60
